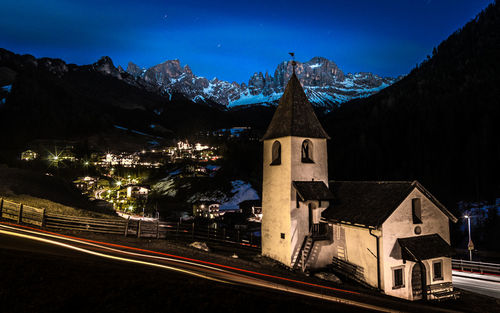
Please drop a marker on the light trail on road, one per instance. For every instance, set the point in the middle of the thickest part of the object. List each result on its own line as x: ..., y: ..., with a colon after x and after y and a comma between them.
x: 84, y: 241
x: 197, y: 268
x: 54, y: 242
x: 483, y: 284
x: 230, y: 277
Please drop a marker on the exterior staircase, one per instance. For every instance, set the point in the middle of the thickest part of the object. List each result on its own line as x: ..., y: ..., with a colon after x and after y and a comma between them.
x: 318, y: 232
x: 304, y: 253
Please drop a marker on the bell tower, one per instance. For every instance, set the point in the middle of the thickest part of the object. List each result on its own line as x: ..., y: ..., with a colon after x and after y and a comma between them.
x: 295, y: 178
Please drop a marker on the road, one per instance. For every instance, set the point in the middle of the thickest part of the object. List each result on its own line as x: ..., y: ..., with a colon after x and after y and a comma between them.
x: 483, y: 284
x: 16, y: 242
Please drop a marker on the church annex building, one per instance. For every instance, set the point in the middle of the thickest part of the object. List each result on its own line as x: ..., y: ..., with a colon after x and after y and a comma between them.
x: 390, y: 235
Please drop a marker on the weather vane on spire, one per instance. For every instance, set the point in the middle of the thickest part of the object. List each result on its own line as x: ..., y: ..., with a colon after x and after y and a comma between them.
x: 293, y: 60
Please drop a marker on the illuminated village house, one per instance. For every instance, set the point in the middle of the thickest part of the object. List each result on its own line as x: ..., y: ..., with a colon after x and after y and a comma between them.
x: 29, y: 155
x: 393, y: 236
x: 206, y: 209
x: 136, y: 191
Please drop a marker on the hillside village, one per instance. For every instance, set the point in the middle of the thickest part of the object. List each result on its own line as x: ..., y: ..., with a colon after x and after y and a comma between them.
x: 122, y: 181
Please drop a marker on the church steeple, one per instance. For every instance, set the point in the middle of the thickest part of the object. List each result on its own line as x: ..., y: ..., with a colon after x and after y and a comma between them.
x: 295, y: 175
x: 295, y: 115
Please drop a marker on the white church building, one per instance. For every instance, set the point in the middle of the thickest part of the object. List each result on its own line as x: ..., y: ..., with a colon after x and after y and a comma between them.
x: 390, y: 235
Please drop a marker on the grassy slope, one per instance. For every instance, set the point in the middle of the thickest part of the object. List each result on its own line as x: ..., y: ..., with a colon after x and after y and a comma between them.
x: 42, y: 191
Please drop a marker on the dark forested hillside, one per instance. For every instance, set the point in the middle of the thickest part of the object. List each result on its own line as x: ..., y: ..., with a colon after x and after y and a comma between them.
x: 51, y: 99
x: 440, y: 124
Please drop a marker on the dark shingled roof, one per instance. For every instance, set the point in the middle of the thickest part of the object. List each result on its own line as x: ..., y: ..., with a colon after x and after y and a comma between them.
x: 371, y: 203
x: 295, y: 115
x: 424, y: 247
x: 312, y: 190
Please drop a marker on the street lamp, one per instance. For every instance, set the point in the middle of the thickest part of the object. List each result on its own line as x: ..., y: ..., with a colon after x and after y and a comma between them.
x: 470, y: 246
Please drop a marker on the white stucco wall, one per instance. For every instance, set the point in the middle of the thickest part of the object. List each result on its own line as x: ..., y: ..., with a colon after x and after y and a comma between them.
x: 400, y: 225
x: 276, y: 193
x: 354, y: 245
x: 280, y: 214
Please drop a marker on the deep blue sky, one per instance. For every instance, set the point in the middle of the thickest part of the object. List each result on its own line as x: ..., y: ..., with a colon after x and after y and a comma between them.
x: 233, y: 39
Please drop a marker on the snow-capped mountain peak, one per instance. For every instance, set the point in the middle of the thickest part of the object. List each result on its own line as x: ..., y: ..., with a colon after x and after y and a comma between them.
x: 324, y: 82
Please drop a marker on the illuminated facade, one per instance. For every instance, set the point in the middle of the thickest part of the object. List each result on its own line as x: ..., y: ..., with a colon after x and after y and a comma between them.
x: 393, y: 236
x: 204, y: 209
x: 29, y: 155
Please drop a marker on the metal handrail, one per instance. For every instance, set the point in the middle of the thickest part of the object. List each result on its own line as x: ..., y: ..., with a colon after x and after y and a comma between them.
x: 478, y: 266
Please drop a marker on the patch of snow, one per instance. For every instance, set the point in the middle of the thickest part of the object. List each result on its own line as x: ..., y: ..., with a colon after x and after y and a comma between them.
x: 200, y: 245
x: 348, y: 82
x: 120, y: 127
x: 209, y: 89
x: 176, y: 172
x: 7, y: 88
x: 328, y: 276
x: 199, y: 98
x: 315, y: 65
x: 241, y: 191
x: 178, y: 78
x: 213, y: 167
x: 210, y: 196
x: 165, y: 187
x: 247, y: 98
x: 135, y: 217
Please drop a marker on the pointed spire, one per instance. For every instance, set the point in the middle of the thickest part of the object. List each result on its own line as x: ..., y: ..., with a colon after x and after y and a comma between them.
x: 295, y: 115
x: 292, y: 54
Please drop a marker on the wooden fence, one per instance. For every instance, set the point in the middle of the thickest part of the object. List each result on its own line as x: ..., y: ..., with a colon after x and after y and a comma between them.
x: 21, y: 213
x: 127, y: 227
x: 96, y: 225
x: 352, y: 271
x: 166, y: 230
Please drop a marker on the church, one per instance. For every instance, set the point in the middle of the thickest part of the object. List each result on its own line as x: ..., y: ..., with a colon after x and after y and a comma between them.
x: 390, y: 235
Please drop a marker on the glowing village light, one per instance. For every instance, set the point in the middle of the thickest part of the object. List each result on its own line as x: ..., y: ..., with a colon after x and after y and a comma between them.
x: 54, y: 158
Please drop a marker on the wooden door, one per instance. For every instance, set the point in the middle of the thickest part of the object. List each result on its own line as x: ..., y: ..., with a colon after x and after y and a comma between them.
x: 311, y: 208
x: 418, y: 281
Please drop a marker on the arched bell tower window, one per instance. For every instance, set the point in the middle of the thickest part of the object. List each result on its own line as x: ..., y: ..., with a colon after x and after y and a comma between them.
x: 307, y: 151
x: 276, y: 153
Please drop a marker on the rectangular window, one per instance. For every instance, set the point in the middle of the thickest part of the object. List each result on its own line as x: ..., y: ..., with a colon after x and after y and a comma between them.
x: 438, y: 270
x: 397, y: 276
x: 416, y: 210
x: 282, y: 235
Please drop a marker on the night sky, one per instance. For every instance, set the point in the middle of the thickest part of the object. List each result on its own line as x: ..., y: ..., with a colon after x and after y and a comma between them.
x: 234, y: 39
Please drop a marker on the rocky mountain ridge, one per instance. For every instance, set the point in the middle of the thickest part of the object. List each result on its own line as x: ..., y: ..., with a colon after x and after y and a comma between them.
x: 326, y: 85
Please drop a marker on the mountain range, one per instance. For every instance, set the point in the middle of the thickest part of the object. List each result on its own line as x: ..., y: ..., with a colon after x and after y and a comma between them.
x: 325, y: 84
